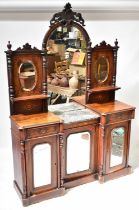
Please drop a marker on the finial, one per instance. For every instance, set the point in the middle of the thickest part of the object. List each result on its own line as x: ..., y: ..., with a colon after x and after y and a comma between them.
x: 68, y: 6
x: 116, y: 43
x: 9, y: 46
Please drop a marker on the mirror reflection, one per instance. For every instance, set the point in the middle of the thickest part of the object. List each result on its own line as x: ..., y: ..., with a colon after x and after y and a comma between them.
x: 42, y: 165
x: 66, y: 50
x: 27, y: 75
x: 102, y: 69
x: 117, y: 146
x: 78, y: 152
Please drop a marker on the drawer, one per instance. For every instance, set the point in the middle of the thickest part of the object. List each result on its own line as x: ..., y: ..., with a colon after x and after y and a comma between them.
x: 120, y: 116
x: 42, y: 131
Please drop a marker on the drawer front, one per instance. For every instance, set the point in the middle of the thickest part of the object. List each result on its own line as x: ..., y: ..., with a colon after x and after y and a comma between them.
x: 120, y: 116
x: 42, y: 131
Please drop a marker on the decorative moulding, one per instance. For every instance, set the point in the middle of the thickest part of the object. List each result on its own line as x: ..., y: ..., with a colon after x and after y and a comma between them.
x: 52, y: 6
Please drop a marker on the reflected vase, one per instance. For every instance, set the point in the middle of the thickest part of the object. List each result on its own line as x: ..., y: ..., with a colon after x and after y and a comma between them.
x: 74, y: 82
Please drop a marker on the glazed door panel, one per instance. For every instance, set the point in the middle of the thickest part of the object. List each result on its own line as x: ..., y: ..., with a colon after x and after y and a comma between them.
x: 117, y: 146
x: 78, y: 146
x: 80, y: 152
x: 42, y: 164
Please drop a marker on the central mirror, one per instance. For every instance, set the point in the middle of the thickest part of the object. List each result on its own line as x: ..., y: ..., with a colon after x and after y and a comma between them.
x: 27, y: 76
x: 66, y: 52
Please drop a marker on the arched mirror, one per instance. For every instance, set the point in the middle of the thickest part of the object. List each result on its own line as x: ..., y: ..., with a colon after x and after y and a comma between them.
x: 27, y: 76
x: 66, y: 52
x: 66, y: 43
x: 102, y: 69
x: 66, y: 49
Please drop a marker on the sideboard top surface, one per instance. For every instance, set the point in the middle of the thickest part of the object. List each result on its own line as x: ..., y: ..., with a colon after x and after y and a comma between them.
x: 105, y: 108
x: 27, y: 121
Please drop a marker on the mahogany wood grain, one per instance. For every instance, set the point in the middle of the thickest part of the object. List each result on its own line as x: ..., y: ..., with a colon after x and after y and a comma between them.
x: 109, y: 107
x: 17, y: 94
x: 103, y: 89
x: 28, y: 121
x: 29, y: 131
x: 30, y: 97
x: 87, y: 175
x: 32, y: 124
x: 112, y: 115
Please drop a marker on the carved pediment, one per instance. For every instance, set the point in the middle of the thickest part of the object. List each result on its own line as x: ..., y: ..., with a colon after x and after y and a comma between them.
x: 27, y: 47
x: 104, y: 44
x: 66, y: 16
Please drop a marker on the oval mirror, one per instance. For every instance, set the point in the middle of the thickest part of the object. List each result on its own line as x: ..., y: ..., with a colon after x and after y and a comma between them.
x: 27, y: 75
x: 102, y: 69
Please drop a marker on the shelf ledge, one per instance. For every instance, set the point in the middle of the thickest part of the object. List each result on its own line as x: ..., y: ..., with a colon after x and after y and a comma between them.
x: 103, y: 89
x: 32, y: 97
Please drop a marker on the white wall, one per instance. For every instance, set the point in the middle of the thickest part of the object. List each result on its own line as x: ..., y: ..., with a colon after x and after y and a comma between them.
x: 31, y: 27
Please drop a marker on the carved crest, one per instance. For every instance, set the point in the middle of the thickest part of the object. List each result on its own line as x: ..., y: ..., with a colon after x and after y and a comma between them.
x: 103, y: 44
x: 27, y: 47
x: 67, y: 15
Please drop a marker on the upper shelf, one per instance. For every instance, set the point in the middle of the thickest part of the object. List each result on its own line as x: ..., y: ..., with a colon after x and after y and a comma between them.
x: 32, y: 97
x: 104, y: 89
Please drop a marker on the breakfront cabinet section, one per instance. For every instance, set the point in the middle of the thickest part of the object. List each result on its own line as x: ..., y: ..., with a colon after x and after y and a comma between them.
x: 117, y: 146
x: 42, y: 164
x: 36, y: 163
x: 114, y: 143
x: 113, y: 140
x: 114, y: 161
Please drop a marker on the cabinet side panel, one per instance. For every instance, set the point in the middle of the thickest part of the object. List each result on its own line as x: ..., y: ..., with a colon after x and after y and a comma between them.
x: 17, y: 160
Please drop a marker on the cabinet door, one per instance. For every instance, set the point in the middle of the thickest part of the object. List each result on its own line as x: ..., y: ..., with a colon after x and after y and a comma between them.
x: 117, y: 146
x: 80, y: 152
x: 42, y: 164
